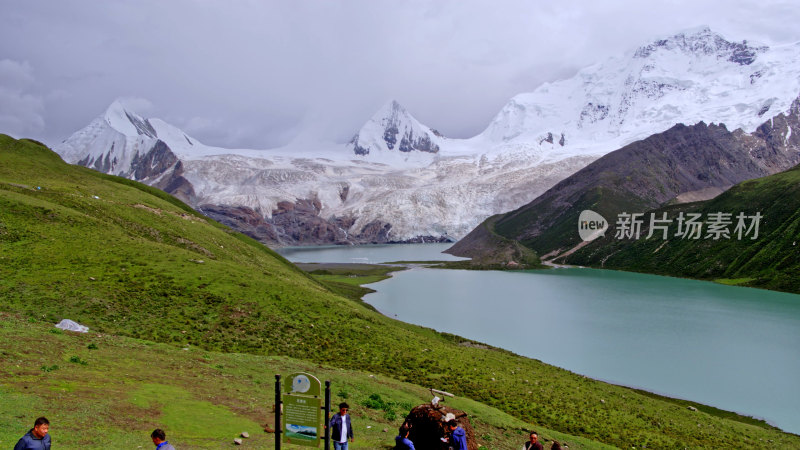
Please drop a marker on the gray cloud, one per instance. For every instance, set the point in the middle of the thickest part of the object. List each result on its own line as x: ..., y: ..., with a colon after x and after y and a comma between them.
x: 260, y: 74
x: 20, y: 111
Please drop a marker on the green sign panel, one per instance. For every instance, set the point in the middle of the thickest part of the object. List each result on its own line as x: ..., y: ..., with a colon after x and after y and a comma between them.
x: 302, y: 410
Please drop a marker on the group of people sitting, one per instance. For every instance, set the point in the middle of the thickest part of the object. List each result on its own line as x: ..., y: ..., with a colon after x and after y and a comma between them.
x: 456, y: 437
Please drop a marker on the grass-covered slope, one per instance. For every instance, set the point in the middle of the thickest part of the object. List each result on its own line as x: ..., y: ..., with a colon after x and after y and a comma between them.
x: 771, y: 261
x: 105, y: 391
x: 489, y: 250
x: 128, y: 260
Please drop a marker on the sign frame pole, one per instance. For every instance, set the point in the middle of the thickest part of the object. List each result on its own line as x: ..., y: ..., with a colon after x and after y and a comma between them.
x: 327, y: 415
x: 278, y: 408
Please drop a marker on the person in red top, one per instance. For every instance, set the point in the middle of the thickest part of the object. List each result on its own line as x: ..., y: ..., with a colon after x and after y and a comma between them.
x: 533, y: 442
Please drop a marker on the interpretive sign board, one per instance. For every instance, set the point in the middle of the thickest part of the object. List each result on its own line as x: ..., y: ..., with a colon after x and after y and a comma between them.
x: 302, y: 410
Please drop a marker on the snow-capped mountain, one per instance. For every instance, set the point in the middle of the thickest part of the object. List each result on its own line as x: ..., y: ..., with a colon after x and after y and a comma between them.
x: 692, y: 76
x: 392, y: 128
x: 400, y: 180
x: 298, y: 194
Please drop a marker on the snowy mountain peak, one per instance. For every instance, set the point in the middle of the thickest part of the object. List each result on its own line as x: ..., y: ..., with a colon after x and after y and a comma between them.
x: 127, y: 122
x: 704, y: 42
x: 393, y: 129
x: 692, y: 76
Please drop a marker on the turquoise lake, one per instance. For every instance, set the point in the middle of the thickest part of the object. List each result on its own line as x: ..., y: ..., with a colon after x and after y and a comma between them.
x: 734, y: 348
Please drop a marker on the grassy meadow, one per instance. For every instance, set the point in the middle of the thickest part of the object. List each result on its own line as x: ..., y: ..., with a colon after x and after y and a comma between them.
x: 191, y: 321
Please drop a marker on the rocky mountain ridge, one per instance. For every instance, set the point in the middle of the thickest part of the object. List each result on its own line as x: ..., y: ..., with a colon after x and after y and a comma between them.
x: 691, y: 163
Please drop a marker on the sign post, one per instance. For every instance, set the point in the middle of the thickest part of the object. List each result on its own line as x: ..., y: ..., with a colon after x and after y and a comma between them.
x: 278, y: 409
x: 327, y: 415
x: 302, y: 410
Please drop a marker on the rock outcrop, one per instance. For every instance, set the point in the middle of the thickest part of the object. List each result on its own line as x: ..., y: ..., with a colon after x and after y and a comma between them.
x: 428, y: 426
x: 300, y: 223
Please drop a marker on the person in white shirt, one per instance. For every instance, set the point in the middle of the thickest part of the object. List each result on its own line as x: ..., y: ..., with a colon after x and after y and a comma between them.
x: 341, y: 428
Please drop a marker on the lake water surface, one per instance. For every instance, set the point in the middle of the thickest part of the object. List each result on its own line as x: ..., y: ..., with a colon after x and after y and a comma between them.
x: 730, y: 347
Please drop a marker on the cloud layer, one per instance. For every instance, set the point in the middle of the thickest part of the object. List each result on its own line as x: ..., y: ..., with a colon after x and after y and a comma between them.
x: 259, y: 74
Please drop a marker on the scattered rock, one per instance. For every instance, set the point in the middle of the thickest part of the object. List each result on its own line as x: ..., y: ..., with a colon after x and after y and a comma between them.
x: 245, y: 434
x: 692, y: 408
x: 385, y: 430
x: 69, y: 325
x: 92, y: 279
x: 602, y: 401
x: 237, y: 441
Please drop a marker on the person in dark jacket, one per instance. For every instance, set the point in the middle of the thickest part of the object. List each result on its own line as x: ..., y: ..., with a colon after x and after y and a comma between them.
x: 37, y: 438
x: 159, y: 438
x: 341, y: 428
x: 402, y: 442
x: 458, y: 437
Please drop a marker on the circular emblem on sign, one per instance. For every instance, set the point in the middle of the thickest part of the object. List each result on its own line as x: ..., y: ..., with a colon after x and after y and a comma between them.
x: 301, y: 383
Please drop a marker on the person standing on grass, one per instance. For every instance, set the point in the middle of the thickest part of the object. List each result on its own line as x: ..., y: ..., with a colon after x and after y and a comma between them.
x: 458, y: 437
x: 160, y: 440
x: 533, y: 442
x: 37, y: 438
x: 341, y: 428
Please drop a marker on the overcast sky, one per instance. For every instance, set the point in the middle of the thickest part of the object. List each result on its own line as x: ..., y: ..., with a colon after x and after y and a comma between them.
x: 259, y: 74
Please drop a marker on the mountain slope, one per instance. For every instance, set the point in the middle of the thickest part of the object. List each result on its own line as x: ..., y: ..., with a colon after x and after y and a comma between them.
x: 771, y: 261
x: 683, y: 162
x: 126, y: 259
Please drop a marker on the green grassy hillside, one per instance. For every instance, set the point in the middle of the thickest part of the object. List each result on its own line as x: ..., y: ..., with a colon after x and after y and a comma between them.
x: 128, y: 260
x: 771, y: 261
x: 98, y: 389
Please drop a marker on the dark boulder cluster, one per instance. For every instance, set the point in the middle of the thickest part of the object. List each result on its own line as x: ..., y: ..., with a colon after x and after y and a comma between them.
x: 428, y: 426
